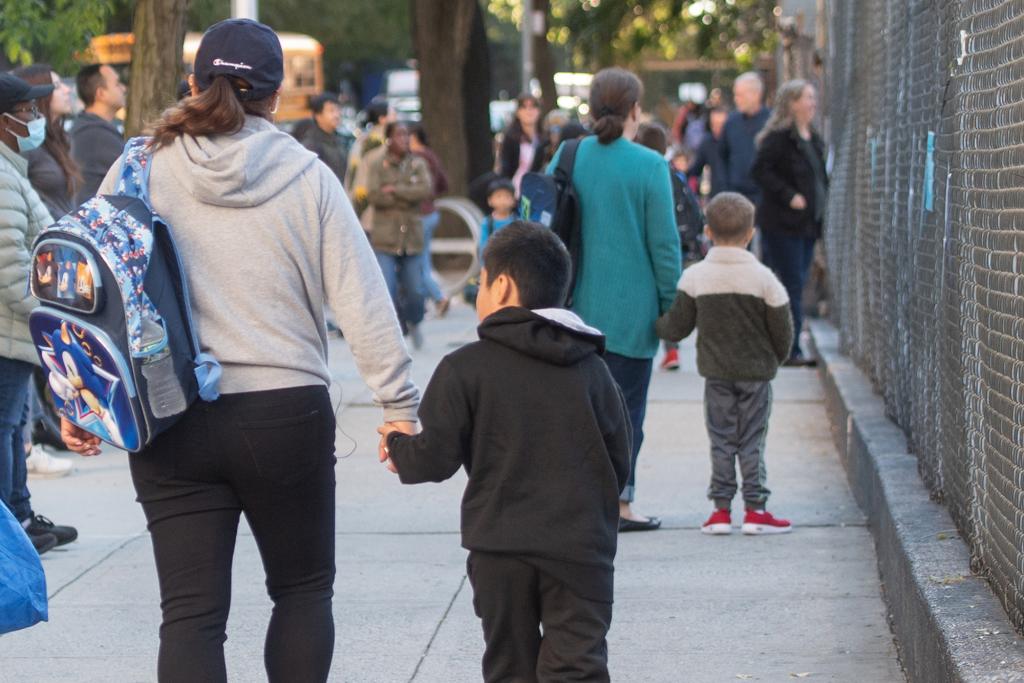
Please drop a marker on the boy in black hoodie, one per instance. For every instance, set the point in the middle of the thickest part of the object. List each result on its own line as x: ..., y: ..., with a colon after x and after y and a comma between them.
x: 535, y: 417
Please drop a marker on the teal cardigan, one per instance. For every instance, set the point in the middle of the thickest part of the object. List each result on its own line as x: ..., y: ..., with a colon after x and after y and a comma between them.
x: 631, y: 260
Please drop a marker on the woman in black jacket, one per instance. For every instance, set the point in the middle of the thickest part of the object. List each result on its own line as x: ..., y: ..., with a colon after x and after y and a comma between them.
x: 790, y: 169
x: 521, y: 140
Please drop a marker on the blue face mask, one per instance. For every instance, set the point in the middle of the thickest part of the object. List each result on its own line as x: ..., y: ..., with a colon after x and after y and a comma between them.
x: 36, y: 135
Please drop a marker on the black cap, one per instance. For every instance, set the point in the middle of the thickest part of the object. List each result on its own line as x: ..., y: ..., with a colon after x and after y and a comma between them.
x: 14, y: 90
x: 243, y: 48
x: 499, y: 184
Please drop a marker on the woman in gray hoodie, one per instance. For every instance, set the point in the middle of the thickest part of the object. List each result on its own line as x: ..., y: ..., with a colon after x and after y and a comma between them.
x: 268, y: 239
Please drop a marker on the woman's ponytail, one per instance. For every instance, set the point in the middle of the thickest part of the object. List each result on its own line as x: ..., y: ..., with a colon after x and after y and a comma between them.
x: 214, y: 111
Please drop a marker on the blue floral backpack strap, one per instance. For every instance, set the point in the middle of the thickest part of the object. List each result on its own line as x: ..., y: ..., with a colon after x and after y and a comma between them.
x: 208, y: 372
x: 134, y: 182
x: 134, y: 177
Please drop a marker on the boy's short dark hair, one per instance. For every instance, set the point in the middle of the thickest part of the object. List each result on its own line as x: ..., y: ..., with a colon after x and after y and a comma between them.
x: 652, y: 136
x: 729, y: 216
x: 376, y: 110
x: 87, y: 82
x: 317, y: 102
x: 534, y: 258
x: 499, y: 184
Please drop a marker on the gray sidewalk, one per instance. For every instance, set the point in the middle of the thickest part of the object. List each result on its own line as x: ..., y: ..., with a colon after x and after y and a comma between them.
x: 688, y: 607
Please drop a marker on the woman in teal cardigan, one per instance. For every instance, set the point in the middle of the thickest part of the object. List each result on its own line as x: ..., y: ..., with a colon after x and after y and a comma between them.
x: 630, y: 258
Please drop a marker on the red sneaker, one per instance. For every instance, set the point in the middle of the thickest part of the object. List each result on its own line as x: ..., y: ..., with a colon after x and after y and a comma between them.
x: 671, y: 360
x: 762, y: 522
x: 718, y: 524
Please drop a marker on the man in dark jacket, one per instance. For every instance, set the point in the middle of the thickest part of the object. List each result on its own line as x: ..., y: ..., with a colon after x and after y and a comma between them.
x: 322, y: 138
x: 741, y: 127
x: 96, y: 142
x: 533, y: 414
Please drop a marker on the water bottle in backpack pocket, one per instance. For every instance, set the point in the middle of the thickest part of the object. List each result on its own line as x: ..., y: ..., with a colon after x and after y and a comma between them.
x: 114, y: 331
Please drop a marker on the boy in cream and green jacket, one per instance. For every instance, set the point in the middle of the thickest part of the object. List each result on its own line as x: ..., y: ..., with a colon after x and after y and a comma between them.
x: 745, y: 331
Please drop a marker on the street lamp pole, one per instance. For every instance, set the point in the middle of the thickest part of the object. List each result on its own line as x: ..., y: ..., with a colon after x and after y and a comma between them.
x: 527, y: 31
x: 245, y: 9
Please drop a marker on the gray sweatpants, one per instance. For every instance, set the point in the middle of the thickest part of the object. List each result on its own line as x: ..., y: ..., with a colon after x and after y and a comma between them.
x: 736, y: 414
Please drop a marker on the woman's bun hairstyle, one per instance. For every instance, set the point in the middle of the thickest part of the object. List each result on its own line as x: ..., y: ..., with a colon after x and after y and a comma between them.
x: 613, y: 94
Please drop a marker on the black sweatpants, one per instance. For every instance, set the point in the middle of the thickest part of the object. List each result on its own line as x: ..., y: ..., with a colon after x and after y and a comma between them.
x: 269, y: 455
x: 514, y: 600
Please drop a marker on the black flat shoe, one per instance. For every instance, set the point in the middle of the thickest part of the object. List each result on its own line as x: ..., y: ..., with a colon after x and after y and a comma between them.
x: 651, y: 524
x: 800, y: 361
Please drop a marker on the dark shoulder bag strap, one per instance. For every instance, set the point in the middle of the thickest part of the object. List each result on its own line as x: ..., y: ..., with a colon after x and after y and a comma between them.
x: 568, y: 158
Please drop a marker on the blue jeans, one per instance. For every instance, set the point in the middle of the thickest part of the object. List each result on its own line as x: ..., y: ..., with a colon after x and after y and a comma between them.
x: 430, y: 289
x: 633, y: 375
x: 14, y: 377
x: 790, y: 258
x: 404, y: 277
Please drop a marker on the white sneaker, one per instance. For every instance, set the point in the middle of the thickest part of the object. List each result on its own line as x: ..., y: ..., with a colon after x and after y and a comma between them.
x: 42, y: 465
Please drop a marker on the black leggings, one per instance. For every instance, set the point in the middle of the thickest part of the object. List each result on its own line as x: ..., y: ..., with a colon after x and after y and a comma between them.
x: 267, y: 454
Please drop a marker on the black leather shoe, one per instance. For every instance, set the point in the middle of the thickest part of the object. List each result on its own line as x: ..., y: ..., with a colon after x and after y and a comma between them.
x: 651, y: 524
x: 800, y: 361
x: 41, y: 525
x: 43, y: 542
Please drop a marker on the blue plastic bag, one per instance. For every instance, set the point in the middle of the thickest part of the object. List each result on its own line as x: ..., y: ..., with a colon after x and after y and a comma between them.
x: 22, y: 581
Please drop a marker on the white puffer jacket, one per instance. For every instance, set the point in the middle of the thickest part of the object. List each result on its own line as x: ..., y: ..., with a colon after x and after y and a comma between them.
x: 22, y: 216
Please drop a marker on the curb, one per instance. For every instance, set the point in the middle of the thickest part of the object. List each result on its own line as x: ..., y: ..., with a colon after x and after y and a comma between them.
x: 947, y: 622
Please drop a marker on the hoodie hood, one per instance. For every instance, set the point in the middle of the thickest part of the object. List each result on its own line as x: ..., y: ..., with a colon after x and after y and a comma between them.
x: 244, y: 169
x: 554, y: 335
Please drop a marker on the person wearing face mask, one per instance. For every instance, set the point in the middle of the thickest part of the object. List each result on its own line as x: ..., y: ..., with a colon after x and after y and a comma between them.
x: 22, y: 216
x: 51, y: 170
x: 55, y: 176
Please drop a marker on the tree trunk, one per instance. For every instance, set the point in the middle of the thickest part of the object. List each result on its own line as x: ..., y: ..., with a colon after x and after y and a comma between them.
x: 441, y: 35
x: 476, y: 93
x: 543, y: 62
x: 159, y: 29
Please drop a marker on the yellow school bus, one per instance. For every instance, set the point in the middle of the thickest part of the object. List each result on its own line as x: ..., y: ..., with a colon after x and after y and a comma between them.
x: 303, y: 65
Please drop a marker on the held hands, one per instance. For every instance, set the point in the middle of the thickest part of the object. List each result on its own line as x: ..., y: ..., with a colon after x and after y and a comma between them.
x: 386, y: 429
x: 798, y: 202
x: 77, y: 439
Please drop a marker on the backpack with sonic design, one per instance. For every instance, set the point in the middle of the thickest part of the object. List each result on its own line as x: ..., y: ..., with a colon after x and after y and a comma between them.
x: 114, y: 330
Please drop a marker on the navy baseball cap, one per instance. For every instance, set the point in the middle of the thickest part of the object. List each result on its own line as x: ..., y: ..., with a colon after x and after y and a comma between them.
x: 14, y: 90
x: 243, y: 48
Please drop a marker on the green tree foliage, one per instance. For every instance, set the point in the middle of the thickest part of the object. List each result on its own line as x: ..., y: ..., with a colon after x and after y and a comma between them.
x: 51, y: 30
x: 605, y: 32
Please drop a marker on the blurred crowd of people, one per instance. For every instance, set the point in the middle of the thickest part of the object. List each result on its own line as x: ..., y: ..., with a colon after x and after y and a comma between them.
x: 641, y: 186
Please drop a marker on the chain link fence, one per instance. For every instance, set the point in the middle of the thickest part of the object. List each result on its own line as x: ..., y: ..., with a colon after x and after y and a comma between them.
x: 925, y: 243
